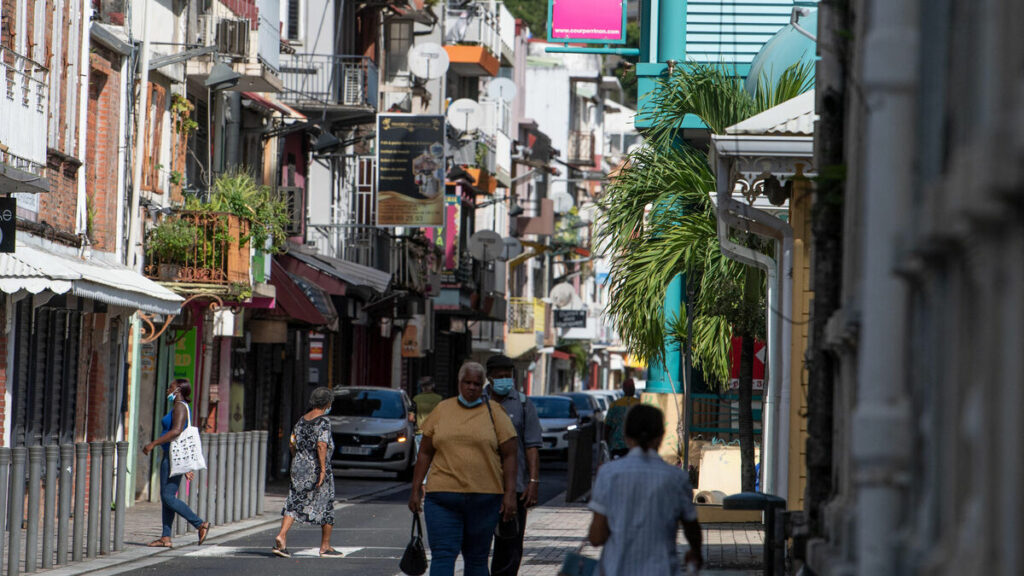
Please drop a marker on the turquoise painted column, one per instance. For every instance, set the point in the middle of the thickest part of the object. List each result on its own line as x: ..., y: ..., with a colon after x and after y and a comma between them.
x: 666, y: 378
x: 663, y: 25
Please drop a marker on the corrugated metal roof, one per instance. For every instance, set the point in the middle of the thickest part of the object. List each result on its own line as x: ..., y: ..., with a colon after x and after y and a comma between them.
x: 794, y: 117
x: 350, y: 272
x: 34, y: 269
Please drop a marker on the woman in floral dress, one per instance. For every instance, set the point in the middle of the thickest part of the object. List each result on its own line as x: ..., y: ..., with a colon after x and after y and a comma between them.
x: 311, y: 494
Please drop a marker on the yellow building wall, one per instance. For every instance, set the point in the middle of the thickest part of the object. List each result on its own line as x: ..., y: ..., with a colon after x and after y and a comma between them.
x: 800, y: 220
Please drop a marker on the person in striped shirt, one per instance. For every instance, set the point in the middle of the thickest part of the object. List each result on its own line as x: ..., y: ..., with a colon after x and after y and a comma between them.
x: 638, y: 502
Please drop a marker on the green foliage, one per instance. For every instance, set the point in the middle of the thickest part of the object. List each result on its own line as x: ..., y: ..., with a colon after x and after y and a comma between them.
x: 181, y: 110
x: 172, y: 240
x: 658, y: 221
x: 533, y: 12
x: 794, y: 81
x: 238, y: 193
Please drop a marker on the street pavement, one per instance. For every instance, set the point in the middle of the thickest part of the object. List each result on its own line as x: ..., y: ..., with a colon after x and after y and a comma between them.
x: 372, y: 529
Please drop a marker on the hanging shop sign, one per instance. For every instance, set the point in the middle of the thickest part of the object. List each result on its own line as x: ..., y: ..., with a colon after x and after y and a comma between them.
x: 410, y: 170
x: 589, y: 21
x: 8, y: 223
x: 570, y: 318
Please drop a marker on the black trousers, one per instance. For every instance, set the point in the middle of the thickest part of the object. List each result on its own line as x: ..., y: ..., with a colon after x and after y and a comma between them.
x: 508, y: 552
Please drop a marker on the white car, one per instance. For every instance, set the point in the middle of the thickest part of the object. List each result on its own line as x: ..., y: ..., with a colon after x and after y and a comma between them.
x: 558, y: 417
x: 373, y: 428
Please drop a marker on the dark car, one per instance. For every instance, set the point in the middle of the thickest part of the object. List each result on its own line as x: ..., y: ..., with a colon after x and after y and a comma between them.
x: 587, y: 406
x: 373, y: 428
x: 558, y: 417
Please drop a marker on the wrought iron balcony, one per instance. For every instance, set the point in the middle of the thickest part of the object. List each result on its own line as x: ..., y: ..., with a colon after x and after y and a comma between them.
x: 24, y: 106
x: 200, y: 248
x: 315, y: 80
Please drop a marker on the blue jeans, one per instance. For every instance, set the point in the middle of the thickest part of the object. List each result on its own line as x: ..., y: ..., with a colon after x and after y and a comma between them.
x: 458, y: 522
x: 170, y: 505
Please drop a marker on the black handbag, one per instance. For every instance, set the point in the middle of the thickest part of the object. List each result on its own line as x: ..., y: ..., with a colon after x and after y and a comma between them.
x: 414, y: 560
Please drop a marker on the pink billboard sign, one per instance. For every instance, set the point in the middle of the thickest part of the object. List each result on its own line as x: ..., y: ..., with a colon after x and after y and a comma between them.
x: 602, y: 21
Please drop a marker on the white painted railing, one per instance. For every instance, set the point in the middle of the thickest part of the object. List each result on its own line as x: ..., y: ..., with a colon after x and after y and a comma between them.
x: 23, y: 104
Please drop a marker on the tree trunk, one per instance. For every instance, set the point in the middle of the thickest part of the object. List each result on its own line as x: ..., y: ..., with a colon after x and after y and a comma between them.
x: 746, y: 412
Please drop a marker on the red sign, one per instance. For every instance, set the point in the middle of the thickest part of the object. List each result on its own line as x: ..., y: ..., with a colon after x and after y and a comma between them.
x: 760, y: 356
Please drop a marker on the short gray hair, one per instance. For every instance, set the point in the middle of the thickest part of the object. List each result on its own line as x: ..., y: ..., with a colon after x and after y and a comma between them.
x: 471, y: 366
x: 321, y: 397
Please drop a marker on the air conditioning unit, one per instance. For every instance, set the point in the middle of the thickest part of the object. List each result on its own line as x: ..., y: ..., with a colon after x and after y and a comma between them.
x: 233, y: 37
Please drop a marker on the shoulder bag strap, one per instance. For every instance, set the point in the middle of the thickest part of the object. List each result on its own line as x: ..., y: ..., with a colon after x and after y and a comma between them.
x: 417, y: 529
x: 493, y: 425
x: 188, y: 416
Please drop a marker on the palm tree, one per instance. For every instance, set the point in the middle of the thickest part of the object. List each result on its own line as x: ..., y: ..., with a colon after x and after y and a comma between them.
x: 658, y: 221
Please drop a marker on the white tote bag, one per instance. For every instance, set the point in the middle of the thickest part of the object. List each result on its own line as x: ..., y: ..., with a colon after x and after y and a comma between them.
x: 186, y: 451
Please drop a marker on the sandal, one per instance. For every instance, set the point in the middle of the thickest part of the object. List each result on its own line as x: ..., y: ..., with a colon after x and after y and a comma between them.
x: 330, y: 553
x: 160, y: 543
x: 203, y: 530
x: 281, y: 551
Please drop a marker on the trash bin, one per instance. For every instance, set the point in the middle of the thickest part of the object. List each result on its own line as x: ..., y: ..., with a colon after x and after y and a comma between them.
x: 774, y: 540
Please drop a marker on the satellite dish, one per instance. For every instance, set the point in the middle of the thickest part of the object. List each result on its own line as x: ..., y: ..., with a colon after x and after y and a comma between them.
x: 428, y: 60
x: 465, y: 115
x: 562, y: 295
x: 513, y: 248
x: 502, y: 89
x: 486, y: 245
x: 563, y: 201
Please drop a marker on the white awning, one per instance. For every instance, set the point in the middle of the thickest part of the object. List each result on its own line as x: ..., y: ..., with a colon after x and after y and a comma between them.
x: 34, y: 269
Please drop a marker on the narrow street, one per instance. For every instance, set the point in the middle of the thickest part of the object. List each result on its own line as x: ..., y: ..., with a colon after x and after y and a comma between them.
x: 372, y: 533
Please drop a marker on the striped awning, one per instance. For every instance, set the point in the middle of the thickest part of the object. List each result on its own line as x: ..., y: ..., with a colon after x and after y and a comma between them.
x: 34, y: 268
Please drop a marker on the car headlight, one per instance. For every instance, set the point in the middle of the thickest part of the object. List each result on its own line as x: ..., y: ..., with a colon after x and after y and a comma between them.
x: 570, y: 427
x: 399, y: 437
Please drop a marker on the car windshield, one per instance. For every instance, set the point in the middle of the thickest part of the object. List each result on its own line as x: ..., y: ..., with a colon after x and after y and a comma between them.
x: 552, y: 408
x: 581, y: 401
x: 368, y: 403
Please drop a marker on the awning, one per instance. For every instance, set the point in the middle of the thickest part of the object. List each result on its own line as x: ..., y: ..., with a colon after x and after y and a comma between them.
x: 344, y: 271
x: 271, y: 103
x: 290, y: 299
x: 34, y: 269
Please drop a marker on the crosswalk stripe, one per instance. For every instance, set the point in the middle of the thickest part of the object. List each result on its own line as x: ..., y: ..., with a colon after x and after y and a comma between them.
x: 220, y: 551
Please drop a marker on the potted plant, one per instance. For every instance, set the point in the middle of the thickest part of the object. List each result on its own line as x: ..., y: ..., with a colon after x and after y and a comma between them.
x: 169, y: 243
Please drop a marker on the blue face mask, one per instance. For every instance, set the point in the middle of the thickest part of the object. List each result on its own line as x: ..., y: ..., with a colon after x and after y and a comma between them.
x: 469, y: 404
x: 328, y: 411
x: 502, y: 386
x: 170, y: 397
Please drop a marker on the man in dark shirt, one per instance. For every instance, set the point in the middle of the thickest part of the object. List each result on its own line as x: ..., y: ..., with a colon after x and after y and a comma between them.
x: 508, y: 541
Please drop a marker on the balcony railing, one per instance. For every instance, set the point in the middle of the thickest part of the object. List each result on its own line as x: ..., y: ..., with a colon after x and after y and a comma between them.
x: 473, y: 24
x: 217, y: 254
x: 24, y: 101
x: 525, y: 315
x: 318, y: 79
x: 581, y: 148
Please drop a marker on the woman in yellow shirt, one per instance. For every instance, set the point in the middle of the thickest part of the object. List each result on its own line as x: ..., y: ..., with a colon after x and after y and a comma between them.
x: 469, y: 446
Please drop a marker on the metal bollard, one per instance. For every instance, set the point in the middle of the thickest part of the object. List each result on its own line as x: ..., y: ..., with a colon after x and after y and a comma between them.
x: 81, y: 451
x: 212, y: 478
x: 246, y: 478
x: 92, y: 536
x: 222, y: 445
x: 261, y: 472
x: 52, y: 452
x: 254, y: 441
x: 35, y: 473
x: 193, y: 496
x: 120, y: 495
x: 106, y: 496
x: 229, y: 479
x: 236, y: 503
x: 202, y: 477
x: 16, y: 509
x: 5, y: 465
x: 67, y: 455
